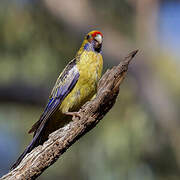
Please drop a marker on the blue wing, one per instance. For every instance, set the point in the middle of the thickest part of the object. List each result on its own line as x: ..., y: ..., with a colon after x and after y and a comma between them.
x: 64, y: 84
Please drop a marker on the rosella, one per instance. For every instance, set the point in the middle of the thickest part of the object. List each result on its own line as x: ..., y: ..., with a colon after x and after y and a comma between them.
x: 76, y: 85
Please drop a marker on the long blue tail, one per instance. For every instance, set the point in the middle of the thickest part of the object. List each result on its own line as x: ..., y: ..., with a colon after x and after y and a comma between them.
x: 34, y: 143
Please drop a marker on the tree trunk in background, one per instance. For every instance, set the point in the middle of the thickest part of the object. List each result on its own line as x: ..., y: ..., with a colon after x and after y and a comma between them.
x: 146, y: 22
x: 153, y: 92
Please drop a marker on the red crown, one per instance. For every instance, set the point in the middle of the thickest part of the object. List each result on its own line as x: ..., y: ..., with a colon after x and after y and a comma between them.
x: 96, y: 32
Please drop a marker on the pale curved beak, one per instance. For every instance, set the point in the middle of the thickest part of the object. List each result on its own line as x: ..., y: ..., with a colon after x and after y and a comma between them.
x: 99, y: 38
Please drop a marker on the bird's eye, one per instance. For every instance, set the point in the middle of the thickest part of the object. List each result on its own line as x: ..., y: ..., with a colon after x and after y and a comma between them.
x: 88, y: 36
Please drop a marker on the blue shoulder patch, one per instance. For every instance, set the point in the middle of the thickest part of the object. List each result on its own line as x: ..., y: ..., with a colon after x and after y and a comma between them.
x: 87, y: 47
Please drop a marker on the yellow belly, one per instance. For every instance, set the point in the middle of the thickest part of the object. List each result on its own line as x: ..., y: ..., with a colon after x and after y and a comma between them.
x: 90, y: 69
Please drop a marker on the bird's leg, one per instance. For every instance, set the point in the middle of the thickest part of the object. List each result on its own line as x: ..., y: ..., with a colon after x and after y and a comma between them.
x: 73, y: 114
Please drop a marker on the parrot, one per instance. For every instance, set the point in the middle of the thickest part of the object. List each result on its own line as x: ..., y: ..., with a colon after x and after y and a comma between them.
x: 76, y: 85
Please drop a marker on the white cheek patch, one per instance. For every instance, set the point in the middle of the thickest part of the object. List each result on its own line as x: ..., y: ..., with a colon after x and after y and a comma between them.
x: 98, y: 38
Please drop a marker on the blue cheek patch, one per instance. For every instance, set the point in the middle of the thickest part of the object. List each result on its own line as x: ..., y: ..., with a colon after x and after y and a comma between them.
x: 86, y: 47
x: 90, y: 47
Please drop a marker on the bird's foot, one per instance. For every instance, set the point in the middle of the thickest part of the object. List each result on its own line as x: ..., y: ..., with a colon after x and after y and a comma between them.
x: 73, y: 114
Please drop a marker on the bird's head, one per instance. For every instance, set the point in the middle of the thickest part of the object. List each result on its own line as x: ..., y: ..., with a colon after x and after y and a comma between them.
x: 93, y: 41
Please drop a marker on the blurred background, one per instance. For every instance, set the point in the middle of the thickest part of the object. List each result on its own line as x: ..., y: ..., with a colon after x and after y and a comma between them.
x: 139, y: 139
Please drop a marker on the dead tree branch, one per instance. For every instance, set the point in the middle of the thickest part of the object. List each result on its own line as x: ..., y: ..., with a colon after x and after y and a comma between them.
x: 59, y: 141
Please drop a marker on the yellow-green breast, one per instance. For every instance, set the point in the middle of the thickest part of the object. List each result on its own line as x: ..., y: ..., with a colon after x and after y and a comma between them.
x: 90, y: 66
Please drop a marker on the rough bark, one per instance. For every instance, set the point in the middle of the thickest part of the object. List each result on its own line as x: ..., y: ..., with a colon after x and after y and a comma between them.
x: 59, y: 141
